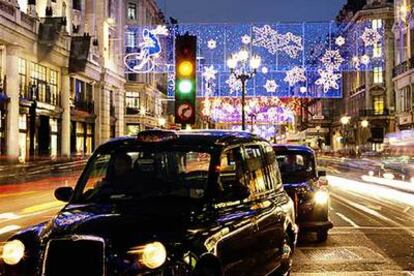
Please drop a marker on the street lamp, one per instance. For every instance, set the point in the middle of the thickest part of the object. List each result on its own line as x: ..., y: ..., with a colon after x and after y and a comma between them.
x: 162, y: 122
x: 364, y: 123
x: 345, y: 120
x: 244, y: 74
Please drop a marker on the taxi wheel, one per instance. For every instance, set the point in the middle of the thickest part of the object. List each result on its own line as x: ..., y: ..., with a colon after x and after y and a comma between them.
x: 322, y: 235
x: 286, y: 264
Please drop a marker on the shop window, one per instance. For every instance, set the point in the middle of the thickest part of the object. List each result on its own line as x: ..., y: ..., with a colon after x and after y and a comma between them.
x: 80, y: 138
x: 38, y: 78
x: 53, y: 87
x: 54, y: 138
x: 378, y: 105
x: 23, y: 78
x: 133, y: 130
x: 22, y: 137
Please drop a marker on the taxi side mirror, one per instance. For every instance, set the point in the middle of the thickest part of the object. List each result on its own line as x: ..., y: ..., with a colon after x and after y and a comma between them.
x: 64, y: 193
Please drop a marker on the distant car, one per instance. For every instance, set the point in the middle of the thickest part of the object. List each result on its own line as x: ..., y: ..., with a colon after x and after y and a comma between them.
x: 306, y: 187
x: 166, y: 203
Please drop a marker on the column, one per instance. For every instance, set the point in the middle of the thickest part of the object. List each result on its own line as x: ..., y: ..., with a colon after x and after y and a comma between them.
x: 65, y: 96
x: 120, y: 111
x: 12, y: 89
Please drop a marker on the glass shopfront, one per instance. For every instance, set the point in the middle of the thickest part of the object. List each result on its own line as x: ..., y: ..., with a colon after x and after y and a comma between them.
x: 82, y: 142
x: 23, y: 137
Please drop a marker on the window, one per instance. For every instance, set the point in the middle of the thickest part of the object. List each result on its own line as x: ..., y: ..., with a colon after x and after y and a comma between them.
x: 131, y: 41
x: 76, y: 5
x: 38, y: 78
x: 256, y: 180
x: 377, y: 50
x: 53, y: 86
x: 132, y: 11
x: 132, y: 100
x: 378, y: 75
x: 296, y: 167
x: 79, y: 90
x: 377, y: 24
x: 23, y: 78
x: 133, y: 173
x: 275, y: 181
x: 231, y: 176
x: 378, y: 105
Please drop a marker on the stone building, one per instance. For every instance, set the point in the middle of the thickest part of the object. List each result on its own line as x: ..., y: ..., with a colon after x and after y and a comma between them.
x: 62, y: 77
x: 404, y: 63
x: 145, y: 94
x: 367, y: 108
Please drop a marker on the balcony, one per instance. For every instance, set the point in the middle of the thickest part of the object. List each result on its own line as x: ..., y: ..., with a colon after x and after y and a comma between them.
x: 373, y: 113
x: 85, y: 106
x: 403, y: 67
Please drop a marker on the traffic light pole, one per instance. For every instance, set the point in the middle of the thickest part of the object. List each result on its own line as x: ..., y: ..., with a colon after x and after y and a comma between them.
x: 243, y: 81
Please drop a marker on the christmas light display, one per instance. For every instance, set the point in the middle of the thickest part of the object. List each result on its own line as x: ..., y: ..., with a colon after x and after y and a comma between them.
x: 304, y: 60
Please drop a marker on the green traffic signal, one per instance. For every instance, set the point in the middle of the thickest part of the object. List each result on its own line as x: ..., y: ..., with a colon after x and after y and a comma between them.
x: 185, y: 86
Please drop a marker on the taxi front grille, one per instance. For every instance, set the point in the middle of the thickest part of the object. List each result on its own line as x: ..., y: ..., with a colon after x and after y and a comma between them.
x: 78, y: 255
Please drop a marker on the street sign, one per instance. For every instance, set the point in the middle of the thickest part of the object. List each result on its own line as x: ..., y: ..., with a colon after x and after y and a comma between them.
x: 318, y: 117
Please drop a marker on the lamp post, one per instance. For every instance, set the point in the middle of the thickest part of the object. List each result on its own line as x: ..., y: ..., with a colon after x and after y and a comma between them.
x: 345, y: 120
x: 243, y: 74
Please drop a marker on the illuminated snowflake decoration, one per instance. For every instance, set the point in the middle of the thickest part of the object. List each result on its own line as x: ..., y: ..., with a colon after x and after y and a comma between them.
x: 271, y: 86
x: 365, y: 59
x: 356, y: 62
x: 332, y: 60
x: 265, y: 70
x: 209, y: 73
x: 328, y: 79
x: 275, y: 42
x: 246, y: 39
x: 340, y: 41
x: 371, y: 37
x: 211, y: 44
x: 234, y: 84
x: 295, y: 75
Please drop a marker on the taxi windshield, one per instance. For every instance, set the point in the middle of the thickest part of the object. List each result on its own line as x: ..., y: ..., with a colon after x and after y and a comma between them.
x: 144, y: 173
x: 296, y: 167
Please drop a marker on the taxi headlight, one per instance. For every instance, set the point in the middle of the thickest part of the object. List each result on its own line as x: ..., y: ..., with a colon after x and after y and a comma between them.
x: 153, y: 255
x: 321, y: 197
x: 13, y: 252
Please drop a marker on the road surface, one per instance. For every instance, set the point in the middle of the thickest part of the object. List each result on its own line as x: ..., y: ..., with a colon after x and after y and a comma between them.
x: 373, y: 232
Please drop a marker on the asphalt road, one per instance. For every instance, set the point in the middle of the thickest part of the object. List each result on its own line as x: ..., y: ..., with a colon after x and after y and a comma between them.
x: 373, y: 232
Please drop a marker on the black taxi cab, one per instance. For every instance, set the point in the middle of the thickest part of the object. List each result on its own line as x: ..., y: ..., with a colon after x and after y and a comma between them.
x: 166, y: 203
x: 307, y: 187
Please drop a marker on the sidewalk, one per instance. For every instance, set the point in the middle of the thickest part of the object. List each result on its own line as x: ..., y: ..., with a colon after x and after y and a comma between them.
x: 17, y: 173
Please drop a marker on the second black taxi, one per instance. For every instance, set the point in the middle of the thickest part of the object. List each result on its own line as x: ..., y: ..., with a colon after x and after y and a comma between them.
x: 166, y: 203
x: 307, y: 187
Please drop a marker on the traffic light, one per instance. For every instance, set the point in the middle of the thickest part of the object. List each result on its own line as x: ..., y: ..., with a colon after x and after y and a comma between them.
x: 185, y: 79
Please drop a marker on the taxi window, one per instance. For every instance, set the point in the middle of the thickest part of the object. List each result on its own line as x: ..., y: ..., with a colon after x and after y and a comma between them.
x: 140, y: 173
x: 275, y: 180
x: 231, y: 170
x: 255, y: 175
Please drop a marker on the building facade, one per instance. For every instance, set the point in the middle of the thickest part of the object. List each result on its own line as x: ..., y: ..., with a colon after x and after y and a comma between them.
x: 368, y: 105
x: 62, y: 78
x: 403, y: 73
x: 145, y: 94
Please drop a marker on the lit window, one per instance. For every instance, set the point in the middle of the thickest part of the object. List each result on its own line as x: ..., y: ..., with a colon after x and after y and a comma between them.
x: 132, y: 11
x: 376, y: 24
x: 377, y: 50
x: 378, y: 75
x: 378, y: 105
x: 131, y: 40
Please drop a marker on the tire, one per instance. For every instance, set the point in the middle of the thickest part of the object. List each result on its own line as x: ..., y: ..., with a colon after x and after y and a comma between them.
x: 322, y: 235
x: 208, y: 265
x: 286, y: 265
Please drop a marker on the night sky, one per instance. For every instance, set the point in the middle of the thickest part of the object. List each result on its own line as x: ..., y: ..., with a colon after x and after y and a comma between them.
x: 195, y: 11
